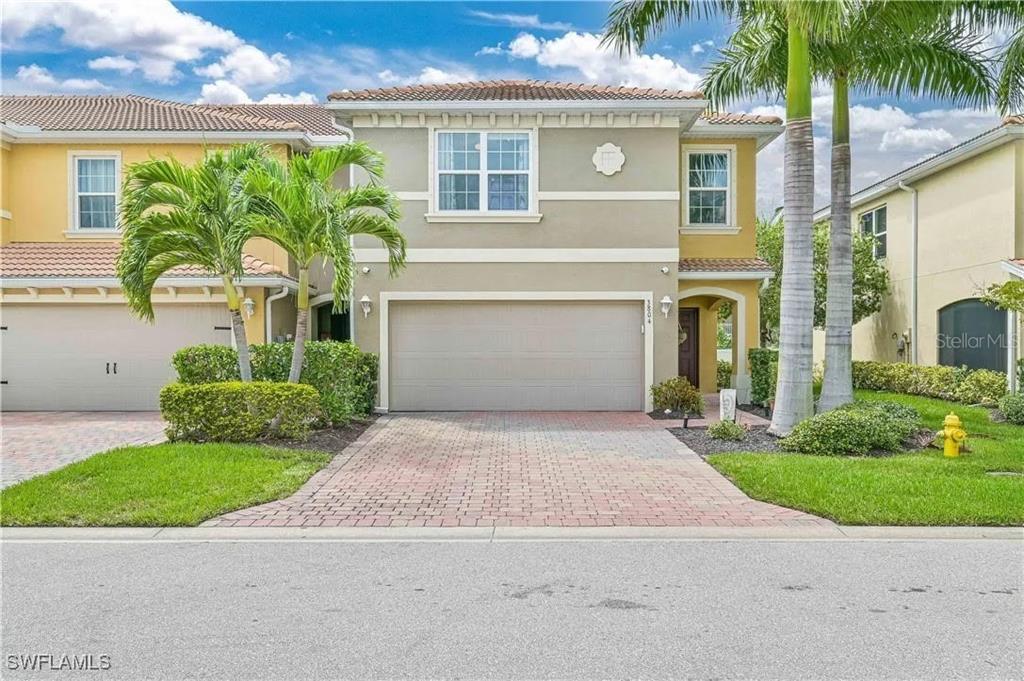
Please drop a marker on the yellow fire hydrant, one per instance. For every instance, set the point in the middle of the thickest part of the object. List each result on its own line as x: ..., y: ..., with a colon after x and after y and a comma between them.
x: 953, y: 435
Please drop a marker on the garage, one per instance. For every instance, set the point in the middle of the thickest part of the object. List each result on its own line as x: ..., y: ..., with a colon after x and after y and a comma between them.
x: 515, y: 355
x: 97, y: 357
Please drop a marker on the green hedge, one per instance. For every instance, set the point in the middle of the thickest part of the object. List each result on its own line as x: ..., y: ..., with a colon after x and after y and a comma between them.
x: 724, y: 374
x: 941, y: 382
x: 344, y: 376
x: 1012, y: 407
x: 764, y: 369
x: 238, y: 412
x: 677, y: 394
x: 854, y: 429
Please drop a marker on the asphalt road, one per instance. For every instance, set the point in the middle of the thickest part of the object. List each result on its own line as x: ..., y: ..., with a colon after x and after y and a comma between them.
x: 590, y: 609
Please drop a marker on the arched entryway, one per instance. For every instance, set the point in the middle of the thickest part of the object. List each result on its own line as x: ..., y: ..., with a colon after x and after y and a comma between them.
x: 325, y: 324
x: 698, y: 335
x: 972, y: 334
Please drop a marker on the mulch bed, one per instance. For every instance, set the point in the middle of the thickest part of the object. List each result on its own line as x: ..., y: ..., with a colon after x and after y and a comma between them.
x: 331, y: 440
x: 697, y: 439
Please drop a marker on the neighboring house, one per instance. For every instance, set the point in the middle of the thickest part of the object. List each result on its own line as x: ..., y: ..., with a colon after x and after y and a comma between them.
x: 964, y: 208
x: 569, y: 245
x: 68, y: 341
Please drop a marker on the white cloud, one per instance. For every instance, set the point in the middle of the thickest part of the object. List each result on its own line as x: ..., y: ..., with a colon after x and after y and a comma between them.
x: 866, y: 119
x: 583, y: 53
x: 249, y: 65
x: 428, y: 75
x: 697, y: 48
x: 223, y: 92
x: 496, y: 49
x: 119, y: 63
x: 521, y: 21
x: 916, y: 139
x: 39, y: 79
x: 280, y: 98
x: 144, y: 27
x: 159, y: 69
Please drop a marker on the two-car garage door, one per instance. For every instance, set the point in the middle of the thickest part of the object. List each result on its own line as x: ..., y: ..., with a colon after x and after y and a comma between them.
x: 515, y: 355
x: 95, y: 357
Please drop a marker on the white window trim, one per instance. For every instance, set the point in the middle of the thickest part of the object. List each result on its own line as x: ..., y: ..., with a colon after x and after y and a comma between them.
x: 532, y: 214
x: 74, y: 230
x: 874, y: 220
x: 730, y: 226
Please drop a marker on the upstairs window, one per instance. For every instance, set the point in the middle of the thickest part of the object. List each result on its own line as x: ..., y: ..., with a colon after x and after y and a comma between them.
x: 708, y: 188
x: 872, y: 224
x: 484, y: 172
x: 95, y: 181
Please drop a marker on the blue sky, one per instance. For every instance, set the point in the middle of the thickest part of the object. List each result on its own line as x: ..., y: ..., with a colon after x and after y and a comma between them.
x: 301, y: 51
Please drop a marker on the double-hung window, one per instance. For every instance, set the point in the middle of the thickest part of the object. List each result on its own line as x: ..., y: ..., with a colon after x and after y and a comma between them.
x: 487, y: 172
x: 95, y: 190
x: 708, y: 188
x: 872, y: 223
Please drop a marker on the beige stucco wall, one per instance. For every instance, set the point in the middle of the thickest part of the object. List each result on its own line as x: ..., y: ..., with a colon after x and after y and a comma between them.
x: 970, y: 219
x: 6, y: 223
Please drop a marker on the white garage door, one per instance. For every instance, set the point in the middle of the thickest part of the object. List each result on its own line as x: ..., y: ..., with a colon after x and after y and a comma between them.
x: 536, y: 356
x: 97, y: 357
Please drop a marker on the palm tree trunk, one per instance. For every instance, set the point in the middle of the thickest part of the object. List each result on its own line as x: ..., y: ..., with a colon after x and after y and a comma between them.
x: 238, y: 329
x: 838, y: 386
x: 794, y: 398
x: 301, y: 327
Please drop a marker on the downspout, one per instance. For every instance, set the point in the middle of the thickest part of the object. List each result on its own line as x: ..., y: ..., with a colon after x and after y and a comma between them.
x: 267, y: 308
x: 913, y: 270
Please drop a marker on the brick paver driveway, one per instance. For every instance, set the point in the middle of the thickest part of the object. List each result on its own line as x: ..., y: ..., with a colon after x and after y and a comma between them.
x: 36, y: 442
x: 554, y: 469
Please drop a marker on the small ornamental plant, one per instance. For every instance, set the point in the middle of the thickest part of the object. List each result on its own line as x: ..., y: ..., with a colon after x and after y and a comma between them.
x: 727, y: 430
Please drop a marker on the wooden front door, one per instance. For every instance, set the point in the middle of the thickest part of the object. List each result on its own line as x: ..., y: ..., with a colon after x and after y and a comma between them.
x: 689, y: 344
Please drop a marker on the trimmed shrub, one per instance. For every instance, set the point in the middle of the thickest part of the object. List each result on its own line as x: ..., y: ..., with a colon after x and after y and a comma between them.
x: 941, y: 382
x: 677, y: 394
x: 206, y: 364
x: 764, y: 369
x: 983, y: 387
x: 344, y: 376
x: 238, y: 412
x: 727, y: 430
x: 854, y: 429
x: 1012, y: 407
x: 724, y: 374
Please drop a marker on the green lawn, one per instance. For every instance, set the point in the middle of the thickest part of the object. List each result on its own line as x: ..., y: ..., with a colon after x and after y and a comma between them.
x: 158, y: 485
x: 921, y: 488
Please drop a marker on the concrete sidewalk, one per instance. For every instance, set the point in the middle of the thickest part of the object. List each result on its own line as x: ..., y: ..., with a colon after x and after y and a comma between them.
x: 497, y: 534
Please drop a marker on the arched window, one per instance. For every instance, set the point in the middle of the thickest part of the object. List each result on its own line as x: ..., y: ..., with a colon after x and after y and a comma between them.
x: 972, y: 334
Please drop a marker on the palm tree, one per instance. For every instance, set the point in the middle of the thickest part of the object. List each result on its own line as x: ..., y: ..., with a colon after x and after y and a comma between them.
x: 914, y: 50
x: 173, y: 215
x: 298, y: 208
x: 630, y: 25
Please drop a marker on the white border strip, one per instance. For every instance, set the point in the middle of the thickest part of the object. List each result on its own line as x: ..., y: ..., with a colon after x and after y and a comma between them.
x: 711, y: 274
x: 645, y: 297
x: 659, y: 255
x: 609, y: 196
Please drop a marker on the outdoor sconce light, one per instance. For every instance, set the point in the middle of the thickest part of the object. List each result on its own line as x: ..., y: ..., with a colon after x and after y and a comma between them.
x: 250, y: 307
x: 364, y: 303
x: 666, y: 305
x: 664, y: 270
x: 366, y: 270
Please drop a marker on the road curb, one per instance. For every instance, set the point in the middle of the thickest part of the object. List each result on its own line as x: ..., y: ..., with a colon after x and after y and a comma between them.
x: 502, y: 534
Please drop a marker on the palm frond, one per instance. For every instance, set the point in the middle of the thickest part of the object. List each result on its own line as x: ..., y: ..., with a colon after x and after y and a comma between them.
x: 1010, y: 86
x: 632, y: 24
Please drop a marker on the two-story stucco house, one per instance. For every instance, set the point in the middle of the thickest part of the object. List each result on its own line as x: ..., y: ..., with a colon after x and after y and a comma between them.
x: 68, y: 341
x: 569, y: 245
x: 946, y: 228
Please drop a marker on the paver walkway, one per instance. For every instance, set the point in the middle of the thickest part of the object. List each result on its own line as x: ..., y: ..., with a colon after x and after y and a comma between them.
x: 520, y: 469
x: 32, y: 443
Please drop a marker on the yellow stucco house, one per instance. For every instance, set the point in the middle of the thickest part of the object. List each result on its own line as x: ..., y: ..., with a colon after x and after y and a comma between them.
x: 569, y: 245
x: 946, y: 228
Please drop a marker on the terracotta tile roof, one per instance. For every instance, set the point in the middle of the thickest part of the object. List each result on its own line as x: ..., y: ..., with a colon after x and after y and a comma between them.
x: 132, y: 113
x: 724, y: 265
x: 313, y: 118
x: 1017, y: 119
x: 508, y: 90
x: 738, y: 118
x: 30, y: 260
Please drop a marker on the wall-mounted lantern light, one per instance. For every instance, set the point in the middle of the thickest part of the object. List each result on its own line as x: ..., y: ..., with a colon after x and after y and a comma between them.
x: 250, y: 307
x: 666, y: 305
x: 366, y: 269
x: 364, y: 303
